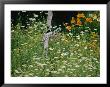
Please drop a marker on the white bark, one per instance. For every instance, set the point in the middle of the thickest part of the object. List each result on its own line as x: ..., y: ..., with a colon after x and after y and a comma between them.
x: 49, y: 19
x: 47, y: 35
x: 46, y: 39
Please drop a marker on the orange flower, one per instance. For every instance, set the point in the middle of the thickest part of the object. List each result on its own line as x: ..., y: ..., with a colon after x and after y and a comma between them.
x: 88, y: 19
x: 81, y: 15
x: 72, y: 20
x: 68, y: 28
x: 78, y: 22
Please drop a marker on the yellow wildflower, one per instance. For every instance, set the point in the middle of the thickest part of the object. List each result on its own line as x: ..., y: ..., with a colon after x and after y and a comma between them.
x: 68, y: 28
x: 88, y: 19
x: 78, y: 22
x: 72, y: 20
x: 81, y: 15
x: 94, y: 16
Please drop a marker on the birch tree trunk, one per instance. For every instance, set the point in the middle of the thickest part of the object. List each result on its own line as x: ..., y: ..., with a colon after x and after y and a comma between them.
x: 49, y: 19
x: 47, y: 35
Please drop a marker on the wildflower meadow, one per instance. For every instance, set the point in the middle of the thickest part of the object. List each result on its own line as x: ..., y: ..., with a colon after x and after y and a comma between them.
x: 74, y: 51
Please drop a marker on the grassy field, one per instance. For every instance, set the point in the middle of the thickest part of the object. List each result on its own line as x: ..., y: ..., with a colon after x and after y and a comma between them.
x: 74, y: 52
x: 68, y: 55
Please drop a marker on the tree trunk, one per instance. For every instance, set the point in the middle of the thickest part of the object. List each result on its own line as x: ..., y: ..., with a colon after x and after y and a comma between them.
x: 49, y: 19
x: 48, y: 34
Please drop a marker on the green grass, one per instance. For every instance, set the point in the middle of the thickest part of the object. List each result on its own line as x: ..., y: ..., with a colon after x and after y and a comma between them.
x: 68, y: 55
